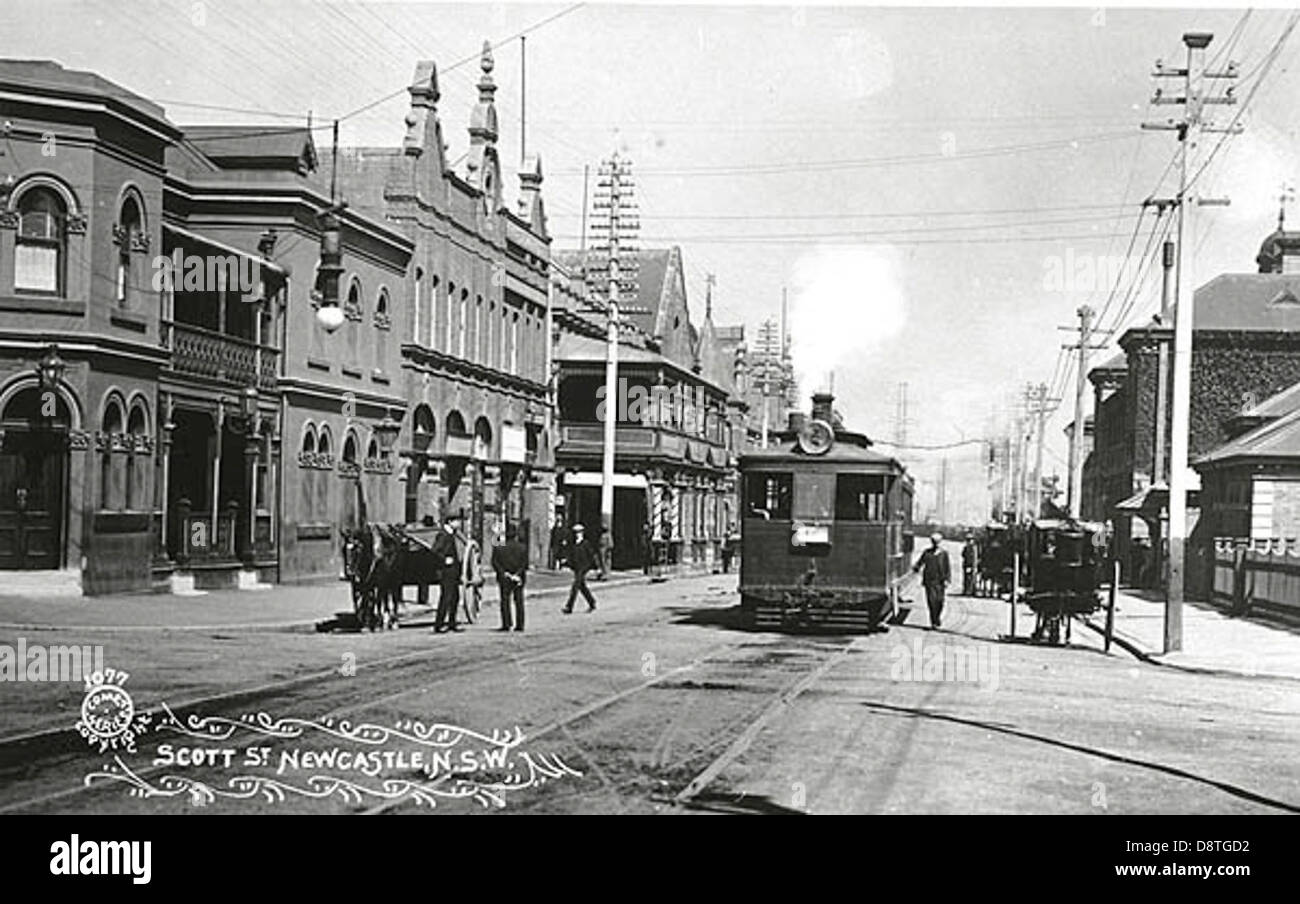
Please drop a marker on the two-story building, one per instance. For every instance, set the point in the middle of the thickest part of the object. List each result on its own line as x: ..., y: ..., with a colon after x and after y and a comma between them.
x: 677, y: 432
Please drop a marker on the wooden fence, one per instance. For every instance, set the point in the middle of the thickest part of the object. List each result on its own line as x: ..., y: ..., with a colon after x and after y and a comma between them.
x: 1255, y: 573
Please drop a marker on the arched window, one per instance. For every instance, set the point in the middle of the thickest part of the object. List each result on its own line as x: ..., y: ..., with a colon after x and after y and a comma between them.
x: 447, y: 318
x: 482, y: 439
x: 127, y: 236
x: 415, y: 308
x: 41, y: 249
x: 480, y: 352
x: 307, y: 473
x: 111, y: 490
x: 137, y: 469
x: 383, y: 322
x: 352, y: 310
x: 462, y: 317
x: 433, y: 313
x: 324, y: 449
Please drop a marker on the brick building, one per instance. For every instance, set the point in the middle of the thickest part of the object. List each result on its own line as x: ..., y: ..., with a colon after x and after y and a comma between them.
x: 1246, y: 347
x: 473, y: 370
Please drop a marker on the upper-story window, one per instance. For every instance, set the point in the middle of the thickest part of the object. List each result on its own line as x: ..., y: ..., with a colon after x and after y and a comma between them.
x: 127, y: 236
x: 41, y: 249
x: 463, y: 322
x: 383, y: 322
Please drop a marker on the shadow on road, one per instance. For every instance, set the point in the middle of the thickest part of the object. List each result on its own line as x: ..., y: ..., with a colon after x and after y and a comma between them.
x: 1227, y: 788
x: 734, y: 618
x: 748, y: 804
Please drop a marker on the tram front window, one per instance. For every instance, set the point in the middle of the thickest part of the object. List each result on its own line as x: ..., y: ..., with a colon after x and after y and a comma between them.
x: 768, y: 495
x: 859, y: 497
x: 814, y: 496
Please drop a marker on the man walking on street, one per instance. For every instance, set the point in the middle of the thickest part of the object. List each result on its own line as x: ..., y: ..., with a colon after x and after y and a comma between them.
x: 447, y: 556
x: 969, y: 566
x: 510, y: 562
x: 582, y: 558
x: 935, y: 574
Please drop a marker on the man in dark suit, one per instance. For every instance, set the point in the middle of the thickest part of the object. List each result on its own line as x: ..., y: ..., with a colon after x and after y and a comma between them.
x: 447, y: 556
x: 510, y: 562
x: 582, y: 558
x: 935, y: 574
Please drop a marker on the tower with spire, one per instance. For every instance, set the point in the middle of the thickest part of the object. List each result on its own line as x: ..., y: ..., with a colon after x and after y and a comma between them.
x: 484, y: 169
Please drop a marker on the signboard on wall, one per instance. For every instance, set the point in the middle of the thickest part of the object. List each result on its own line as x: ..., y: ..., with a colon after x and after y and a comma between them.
x: 514, y: 444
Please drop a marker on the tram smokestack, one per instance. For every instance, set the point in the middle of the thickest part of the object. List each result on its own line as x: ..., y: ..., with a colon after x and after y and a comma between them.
x: 822, y: 409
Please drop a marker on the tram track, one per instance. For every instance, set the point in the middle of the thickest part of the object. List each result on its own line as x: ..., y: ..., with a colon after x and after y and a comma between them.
x: 63, y: 746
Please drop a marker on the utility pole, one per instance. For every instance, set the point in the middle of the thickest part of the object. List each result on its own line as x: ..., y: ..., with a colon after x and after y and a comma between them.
x: 1075, y: 463
x: 613, y: 196
x: 1040, y: 401
x: 1189, y: 129
x: 900, y: 416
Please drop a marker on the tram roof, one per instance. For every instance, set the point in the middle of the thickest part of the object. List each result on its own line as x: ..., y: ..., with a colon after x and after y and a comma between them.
x: 844, y: 451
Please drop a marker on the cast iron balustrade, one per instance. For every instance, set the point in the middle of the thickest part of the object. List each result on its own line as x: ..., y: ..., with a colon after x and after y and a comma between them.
x: 203, y: 353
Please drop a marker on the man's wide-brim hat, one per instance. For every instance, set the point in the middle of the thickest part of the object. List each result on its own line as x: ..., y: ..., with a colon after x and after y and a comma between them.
x: 936, y: 537
x: 578, y: 528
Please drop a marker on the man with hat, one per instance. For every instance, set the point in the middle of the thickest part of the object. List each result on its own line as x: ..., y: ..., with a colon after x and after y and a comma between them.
x: 582, y: 558
x: 447, y: 557
x: 935, y: 574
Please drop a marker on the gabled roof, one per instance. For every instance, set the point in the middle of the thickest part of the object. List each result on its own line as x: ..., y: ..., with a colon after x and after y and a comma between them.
x: 256, y: 147
x: 1276, y: 439
x: 652, y: 273
x: 1263, y: 302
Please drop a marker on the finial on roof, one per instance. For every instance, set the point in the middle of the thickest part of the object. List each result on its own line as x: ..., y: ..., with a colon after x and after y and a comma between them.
x: 485, y: 61
x: 1288, y: 194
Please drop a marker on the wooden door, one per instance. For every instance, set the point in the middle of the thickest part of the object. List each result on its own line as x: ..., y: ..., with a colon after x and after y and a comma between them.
x: 32, y: 466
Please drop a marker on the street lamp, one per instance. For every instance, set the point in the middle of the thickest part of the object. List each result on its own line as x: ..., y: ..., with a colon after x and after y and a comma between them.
x: 50, y: 369
x: 329, y: 314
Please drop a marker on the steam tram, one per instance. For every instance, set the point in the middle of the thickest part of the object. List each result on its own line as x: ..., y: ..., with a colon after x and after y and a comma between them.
x: 826, y: 531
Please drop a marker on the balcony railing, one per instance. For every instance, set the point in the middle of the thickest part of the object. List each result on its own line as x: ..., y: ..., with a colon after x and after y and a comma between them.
x: 644, y: 439
x: 203, y: 353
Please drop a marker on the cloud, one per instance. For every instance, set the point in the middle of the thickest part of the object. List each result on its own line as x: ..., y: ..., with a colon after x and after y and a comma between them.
x: 845, y: 301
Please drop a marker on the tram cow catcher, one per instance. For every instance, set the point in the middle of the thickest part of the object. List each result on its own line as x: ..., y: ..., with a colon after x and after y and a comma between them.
x: 826, y: 536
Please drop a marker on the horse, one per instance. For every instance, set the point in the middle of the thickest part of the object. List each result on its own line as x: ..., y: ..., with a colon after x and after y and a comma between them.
x: 372, y: 563
x: 358, y: 556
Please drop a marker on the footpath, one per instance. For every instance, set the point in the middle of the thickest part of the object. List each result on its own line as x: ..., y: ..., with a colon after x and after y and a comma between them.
x: 283, y: 607
x: 1212, y: 640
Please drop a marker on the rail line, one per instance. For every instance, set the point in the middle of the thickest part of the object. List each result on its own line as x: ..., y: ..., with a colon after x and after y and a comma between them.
x: 216, y: 703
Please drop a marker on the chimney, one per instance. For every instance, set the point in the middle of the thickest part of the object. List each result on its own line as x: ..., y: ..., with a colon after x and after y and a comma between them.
x: 822, y: 407
x: 797, y: 421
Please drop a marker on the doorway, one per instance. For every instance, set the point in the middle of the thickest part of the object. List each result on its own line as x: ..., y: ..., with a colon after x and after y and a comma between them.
x: 33, y: 478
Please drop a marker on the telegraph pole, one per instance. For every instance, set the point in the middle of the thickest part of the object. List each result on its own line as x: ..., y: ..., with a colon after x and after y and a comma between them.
x: 1041, y: 410
x: 1189, y: 129
x: 1075, y: 463
x: 613, y: 195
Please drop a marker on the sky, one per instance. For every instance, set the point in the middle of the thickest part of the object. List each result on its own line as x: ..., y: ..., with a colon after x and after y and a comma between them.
x: 935, y: 189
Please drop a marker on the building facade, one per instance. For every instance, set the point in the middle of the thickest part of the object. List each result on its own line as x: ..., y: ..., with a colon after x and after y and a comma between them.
x: 679, y: 427
x: 473, y: 343
x: 1246, y: 348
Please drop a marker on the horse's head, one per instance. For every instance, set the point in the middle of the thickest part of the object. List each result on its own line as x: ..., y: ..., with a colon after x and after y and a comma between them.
x: 357, y: 550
